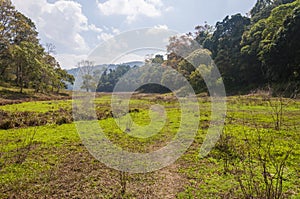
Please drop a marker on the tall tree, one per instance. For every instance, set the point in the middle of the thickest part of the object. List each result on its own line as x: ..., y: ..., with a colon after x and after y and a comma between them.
x: 86, y: 71
x: 260, y: 46
x: 203, y: 33
x: 22, y: 58
x: 253, y: 73
x: 26, y: 63
x: 281, y: 53
x: 178, y: 48
x: 225, y: 47
x: 110, y: 78
x: 263, y: 8
x: 7, y: 12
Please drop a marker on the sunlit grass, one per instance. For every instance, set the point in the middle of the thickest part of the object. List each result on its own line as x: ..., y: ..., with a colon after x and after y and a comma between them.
x: 152, y: 125
x: 38, y: 106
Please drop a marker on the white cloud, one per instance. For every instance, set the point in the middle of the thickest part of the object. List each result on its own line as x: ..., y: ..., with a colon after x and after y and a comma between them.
x: 131, y: 8
x: 158, y: 29
x: 155, y: 2
x: 163, y: 27
x: 61, y: 22
x: 68, y: 61
x: 168, y: 9
x: 105, y: 36
x: 110, y: 33
x: 94, y: 28
x: 115, y: 30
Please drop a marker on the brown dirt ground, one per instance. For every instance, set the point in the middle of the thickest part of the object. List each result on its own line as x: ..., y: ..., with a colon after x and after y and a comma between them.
x: 80, y: 175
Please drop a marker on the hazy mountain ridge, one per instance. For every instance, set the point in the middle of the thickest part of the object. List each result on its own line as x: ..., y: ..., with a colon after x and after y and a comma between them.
x: 102, y: 67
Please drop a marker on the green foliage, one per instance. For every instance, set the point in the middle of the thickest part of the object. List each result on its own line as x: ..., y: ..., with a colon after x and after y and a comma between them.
x: 39, y: 107
x: 22, y: 59
x: 287, y: 19
x: 250, y: 53
x: 225, y: 47
x: 110, y: 77
x: 270, y: 44
x: 158, y: 59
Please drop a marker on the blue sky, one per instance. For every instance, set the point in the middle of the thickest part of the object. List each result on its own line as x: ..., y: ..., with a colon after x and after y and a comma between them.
x: 76, y: 27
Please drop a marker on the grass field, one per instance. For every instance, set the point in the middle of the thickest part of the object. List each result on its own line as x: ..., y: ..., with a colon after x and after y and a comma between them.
x: 257, y: 156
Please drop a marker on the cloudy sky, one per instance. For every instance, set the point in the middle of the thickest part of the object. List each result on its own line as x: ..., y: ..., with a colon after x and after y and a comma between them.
x: 76, y: 27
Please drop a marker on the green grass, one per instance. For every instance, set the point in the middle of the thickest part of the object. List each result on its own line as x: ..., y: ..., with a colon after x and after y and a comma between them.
x: 38, y: 106
x: 49, y: 159
x: 41, y: 156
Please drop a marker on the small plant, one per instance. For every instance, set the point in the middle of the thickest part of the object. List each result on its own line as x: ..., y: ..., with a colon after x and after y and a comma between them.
x: 277, y: 112
x: 24, y: 148
x: 123, y: 181
x: 259, y: 171
x: 226, y: 150
x: 277, y: 105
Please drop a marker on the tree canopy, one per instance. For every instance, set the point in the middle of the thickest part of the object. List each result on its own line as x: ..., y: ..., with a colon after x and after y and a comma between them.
x: 24, y: 62
x: 255, y: 51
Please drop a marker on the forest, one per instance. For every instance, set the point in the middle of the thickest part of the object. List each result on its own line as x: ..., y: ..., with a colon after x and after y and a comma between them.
x: 255, y: 52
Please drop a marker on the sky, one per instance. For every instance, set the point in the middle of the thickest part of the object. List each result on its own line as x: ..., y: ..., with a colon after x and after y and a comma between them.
x: 76, y: 27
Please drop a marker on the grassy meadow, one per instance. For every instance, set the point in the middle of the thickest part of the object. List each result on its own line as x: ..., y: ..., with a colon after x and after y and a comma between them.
x: 257, y: 155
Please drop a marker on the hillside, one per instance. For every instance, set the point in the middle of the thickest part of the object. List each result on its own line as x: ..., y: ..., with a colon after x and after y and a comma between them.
x: 74, y: 71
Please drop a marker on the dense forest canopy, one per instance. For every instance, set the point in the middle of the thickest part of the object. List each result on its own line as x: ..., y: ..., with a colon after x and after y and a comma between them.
x: 257, y: 51
x: 24, y: 62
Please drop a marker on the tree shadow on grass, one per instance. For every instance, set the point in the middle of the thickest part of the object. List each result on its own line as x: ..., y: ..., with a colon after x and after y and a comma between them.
x: 14, y: 95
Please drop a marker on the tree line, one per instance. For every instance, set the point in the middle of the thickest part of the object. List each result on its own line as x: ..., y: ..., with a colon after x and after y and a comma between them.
x: 24, y: 62
x: 257, y: 51
x: 260, y: 50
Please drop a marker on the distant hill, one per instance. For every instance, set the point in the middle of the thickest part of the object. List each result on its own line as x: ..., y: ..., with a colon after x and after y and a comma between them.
x: 134, y: 63
x: 102, y: 67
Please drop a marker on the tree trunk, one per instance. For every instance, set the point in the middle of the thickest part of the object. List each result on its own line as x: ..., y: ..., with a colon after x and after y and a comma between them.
x: 18, y: 76
x: 21, y: 89
x: 20, y: 81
